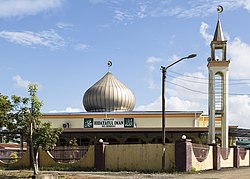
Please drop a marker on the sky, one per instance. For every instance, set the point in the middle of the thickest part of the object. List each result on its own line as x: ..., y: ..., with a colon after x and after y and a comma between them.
x: 64, y: 46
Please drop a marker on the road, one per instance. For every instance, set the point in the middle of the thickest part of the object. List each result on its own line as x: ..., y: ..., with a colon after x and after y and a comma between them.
x: 229, y: 173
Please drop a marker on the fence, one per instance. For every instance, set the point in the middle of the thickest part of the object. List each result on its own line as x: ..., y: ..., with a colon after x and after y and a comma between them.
x: 200, y: 151
x: 200, y: 157
x: 69, y: 154
x: 11, y: 155
x: 182, y: 156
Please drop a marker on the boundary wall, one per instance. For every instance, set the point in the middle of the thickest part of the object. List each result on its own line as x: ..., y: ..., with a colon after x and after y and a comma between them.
x: 214, y: 157
x: 182, y: 156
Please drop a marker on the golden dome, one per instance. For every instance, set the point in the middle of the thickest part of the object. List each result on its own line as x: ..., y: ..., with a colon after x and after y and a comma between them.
x: 108, y: 94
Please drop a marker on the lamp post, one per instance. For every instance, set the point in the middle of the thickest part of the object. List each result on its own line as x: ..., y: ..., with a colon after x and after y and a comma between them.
x: 164, y: 72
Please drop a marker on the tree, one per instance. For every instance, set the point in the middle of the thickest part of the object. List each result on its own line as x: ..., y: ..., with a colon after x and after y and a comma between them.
x: 5, y: 108
x: 22, y: 115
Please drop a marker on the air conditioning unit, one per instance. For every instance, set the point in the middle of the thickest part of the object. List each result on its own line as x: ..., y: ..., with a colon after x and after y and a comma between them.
x: 65, y: 125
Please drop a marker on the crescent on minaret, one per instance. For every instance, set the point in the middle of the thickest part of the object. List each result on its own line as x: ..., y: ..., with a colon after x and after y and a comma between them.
x: 219, y: 9
x: 109, y: 63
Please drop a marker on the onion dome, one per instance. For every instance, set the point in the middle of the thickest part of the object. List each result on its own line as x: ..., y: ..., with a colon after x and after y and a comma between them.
x: 108, y: 94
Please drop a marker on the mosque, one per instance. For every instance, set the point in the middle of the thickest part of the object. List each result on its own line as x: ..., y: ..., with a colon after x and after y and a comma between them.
x: 110, y: 116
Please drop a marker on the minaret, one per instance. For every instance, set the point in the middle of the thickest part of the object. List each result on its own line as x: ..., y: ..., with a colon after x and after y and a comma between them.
x: 218, y: 84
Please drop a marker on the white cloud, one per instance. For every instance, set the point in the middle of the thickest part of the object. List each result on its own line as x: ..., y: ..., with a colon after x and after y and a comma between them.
x: 246, y: 4
x: 96, y: 1
x: 198, y: 8
x: 142, y: 11
x: 154, y: 106
x: 21, y: 82
x: 239, y: 107
x: 158, y: 8
x: 187, y: 91
x: 66, y: 26
x: 68, y: 109
x: 123, y: 16
x: 188, y: 98
x: 151, y: 61
x: 190, y: 86
x: 173, y: 104
x: 48, y: 39
x: 208, y: 37
x: 239, y: 111
x: 82, y: 47
x: 178, y: 104
x: 19, y: 8
x: 203, y: 31
x: 240, y: 54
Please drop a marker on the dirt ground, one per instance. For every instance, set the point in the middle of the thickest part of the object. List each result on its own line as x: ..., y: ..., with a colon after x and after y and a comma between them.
x: 229, y: 173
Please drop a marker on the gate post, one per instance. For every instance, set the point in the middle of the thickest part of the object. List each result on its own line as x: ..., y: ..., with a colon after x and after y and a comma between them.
x: 236, y: 156
x: 183, y: 155
x: 216, y: 157
x: 100, y: 155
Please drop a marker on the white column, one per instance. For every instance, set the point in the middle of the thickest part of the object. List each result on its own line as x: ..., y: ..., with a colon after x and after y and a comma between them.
x: 211, y: 107
x: 224, y: 120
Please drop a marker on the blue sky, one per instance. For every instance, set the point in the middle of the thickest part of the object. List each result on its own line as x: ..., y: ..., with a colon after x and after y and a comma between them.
x: 64, y: 46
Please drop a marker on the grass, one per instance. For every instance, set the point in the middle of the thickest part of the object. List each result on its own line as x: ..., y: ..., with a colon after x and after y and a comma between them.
x: 19, y: 174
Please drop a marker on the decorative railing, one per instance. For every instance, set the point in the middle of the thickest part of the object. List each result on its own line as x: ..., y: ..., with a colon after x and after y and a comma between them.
x: 200, y: 151
x: 11, y: 156
x: 225, y: 152
x: 69, y: 154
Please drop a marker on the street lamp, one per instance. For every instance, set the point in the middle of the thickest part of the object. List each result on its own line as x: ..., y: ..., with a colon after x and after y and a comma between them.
x: 164, y: 72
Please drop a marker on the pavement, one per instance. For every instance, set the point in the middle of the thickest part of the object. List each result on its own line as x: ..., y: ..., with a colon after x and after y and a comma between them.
x: 228, y: 173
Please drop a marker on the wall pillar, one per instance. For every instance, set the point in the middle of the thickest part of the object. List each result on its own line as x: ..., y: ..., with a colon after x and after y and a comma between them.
x: 100, y: 155
x: 211, y: 107
x: 236, y: 157
x: 216, y: 157
x: 224, y: 120
x: 183, y: 155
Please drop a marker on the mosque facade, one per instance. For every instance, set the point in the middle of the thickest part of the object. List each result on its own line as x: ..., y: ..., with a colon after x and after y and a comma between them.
x: 109, y: 112
x: 109, y: 116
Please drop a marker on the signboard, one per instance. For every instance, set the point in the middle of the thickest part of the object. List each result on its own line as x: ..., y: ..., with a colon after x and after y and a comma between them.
x: 108, y: 122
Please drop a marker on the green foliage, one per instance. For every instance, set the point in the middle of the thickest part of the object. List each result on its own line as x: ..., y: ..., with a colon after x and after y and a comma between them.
x: 45, y: 136
x: 74, y: 146
x: 5, y: 107
x: 21, y: 115
x: 14, y: 156
x: 73, y: 143
x: 193, y: 169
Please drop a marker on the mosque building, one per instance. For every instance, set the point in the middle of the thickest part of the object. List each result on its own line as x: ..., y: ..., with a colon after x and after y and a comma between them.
x: 109, y: 112
x: 110, y: 116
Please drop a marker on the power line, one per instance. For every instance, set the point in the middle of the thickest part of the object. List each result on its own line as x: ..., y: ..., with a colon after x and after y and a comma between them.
x: 184, y: 79
x: 201, y: 92
x: 186, y: 88
x: 244, y: 79
x: 187, y: 75
x: 179, y: 78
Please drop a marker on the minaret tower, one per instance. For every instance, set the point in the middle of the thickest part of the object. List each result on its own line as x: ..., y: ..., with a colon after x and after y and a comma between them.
x: 218, y: 84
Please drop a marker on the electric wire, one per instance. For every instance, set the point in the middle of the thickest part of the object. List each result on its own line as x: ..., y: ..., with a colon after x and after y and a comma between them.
x: 200, y: 82
x: 244, y: 79
x: 201, y: 92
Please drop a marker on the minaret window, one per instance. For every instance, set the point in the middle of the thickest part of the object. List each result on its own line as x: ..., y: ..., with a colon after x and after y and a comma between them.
x: 218, y: 54
x: 218, y: 93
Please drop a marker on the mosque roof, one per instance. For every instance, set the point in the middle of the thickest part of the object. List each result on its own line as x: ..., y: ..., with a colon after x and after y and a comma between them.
x: 108, y: 94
